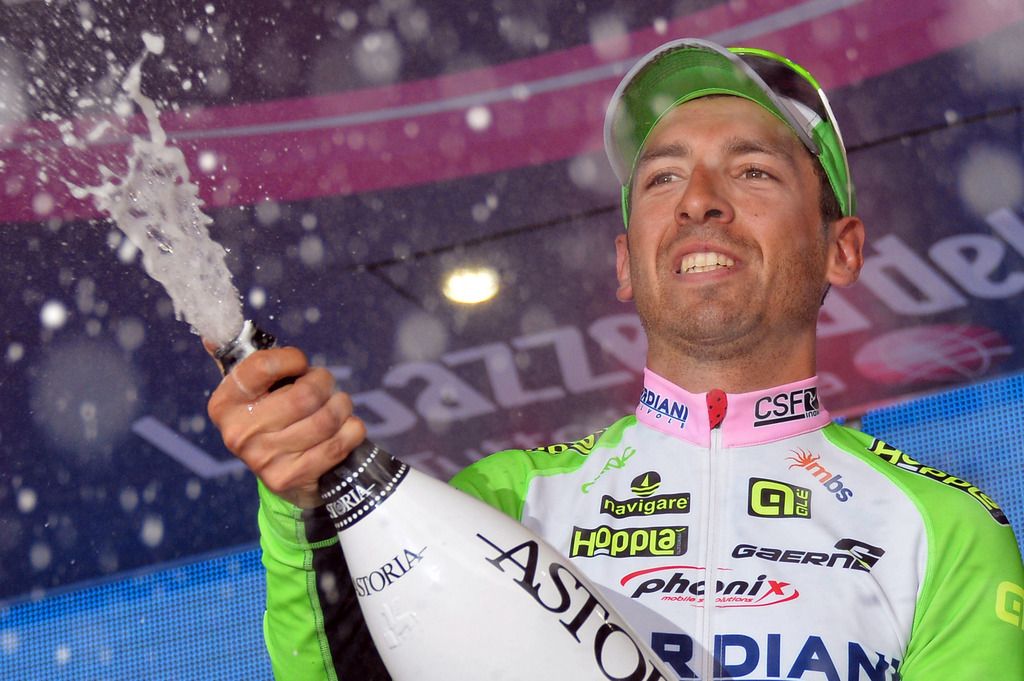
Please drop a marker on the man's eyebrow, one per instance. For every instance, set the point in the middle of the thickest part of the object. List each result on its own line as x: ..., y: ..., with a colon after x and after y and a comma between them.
x: 672, y: 150
x: 737, y: 146
x: 734, y: 146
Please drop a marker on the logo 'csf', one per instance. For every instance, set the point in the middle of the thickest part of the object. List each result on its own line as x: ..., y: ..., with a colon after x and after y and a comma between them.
x: 788, y: 406
x: 809, y: 462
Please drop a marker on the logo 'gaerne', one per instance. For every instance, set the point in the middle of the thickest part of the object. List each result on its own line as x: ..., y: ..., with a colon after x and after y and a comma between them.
x: 898, y: 458
x: 853, y: 555
x: 774, y: 499
x: 630, y: 542
x: 645, y: 485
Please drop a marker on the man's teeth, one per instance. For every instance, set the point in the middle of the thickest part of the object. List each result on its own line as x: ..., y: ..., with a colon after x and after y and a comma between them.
x: 704, y: 262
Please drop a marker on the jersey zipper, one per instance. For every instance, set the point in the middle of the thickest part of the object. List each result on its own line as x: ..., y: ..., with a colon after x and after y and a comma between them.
x: 710, y: 569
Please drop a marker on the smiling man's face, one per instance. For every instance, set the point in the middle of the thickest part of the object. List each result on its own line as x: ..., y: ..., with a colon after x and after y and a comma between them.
x: 726, y: 248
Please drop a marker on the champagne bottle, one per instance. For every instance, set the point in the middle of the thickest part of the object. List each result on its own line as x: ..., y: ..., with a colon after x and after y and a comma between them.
x: 453, y: 590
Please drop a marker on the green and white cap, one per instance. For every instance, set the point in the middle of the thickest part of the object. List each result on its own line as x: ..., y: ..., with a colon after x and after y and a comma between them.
x: 690, y: 68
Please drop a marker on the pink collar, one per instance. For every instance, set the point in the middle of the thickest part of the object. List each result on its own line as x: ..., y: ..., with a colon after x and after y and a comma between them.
x: 750, y: 418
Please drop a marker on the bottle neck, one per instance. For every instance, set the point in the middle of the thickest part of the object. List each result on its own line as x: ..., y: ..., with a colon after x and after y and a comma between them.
x: 360, y: 483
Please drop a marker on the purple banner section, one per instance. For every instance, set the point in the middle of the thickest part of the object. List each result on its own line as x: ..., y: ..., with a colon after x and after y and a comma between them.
x: 525, y: 112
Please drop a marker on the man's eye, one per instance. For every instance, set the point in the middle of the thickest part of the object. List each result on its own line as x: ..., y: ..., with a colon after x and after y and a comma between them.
x: 661, y: 178
x: 756, y: 174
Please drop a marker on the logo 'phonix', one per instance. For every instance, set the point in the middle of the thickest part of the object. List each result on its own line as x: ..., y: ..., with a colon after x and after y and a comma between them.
x: 688, y: 584
x: 809, y: 462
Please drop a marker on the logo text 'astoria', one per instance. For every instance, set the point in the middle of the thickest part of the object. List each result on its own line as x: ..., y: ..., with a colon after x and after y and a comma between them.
x: 629, y: 542
x: 554, y: 588
x: 809, y: 462
x: 349, y: 501
x: 394, y: 569
x: 663, y: 406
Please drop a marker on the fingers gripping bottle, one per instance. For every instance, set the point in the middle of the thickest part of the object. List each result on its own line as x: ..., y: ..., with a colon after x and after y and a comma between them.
x: 453, y: 590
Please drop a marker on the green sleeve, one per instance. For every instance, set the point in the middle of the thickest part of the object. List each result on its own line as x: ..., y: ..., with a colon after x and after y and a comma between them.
x: 502, y: 480
x: 293, y: 622
x: 970, y: 607
x: 313, y: 627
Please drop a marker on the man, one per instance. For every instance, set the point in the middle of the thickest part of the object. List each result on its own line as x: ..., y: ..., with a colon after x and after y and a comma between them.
x: 728, y: 519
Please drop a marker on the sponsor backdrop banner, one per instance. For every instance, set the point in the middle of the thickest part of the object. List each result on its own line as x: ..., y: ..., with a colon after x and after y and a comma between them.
x: 351, y: 158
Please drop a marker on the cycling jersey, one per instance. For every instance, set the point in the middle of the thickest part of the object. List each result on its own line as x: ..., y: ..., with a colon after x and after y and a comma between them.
x: 745, y: 536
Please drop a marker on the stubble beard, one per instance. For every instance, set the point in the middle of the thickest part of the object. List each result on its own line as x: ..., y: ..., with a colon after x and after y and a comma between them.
x: 728, y: 325
x: 710, y: 330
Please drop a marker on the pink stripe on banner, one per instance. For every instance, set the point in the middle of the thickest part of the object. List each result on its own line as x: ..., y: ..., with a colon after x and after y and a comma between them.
x: 544, y: 109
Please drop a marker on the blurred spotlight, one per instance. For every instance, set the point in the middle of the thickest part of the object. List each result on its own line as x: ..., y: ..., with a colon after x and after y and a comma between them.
x: 84, y: 397
x: 471, y: 286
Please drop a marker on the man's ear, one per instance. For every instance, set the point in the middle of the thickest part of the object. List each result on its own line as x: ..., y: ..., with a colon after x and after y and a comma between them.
x: 625, y: 292
x: 845, y: 251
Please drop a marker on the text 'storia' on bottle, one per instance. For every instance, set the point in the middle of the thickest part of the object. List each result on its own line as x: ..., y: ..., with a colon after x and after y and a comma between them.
x: 454, y: 590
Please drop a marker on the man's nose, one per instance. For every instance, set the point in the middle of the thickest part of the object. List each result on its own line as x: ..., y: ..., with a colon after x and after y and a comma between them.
x: 703, y: 199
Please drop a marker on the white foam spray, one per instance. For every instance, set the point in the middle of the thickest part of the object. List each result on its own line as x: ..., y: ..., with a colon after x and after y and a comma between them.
x: 157, y: 206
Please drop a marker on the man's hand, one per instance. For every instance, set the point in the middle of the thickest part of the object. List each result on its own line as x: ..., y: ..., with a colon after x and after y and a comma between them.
x: 291, y: 436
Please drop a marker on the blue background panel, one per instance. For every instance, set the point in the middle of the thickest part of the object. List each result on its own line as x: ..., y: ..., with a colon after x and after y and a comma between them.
x: 201, y: 620
x: 975, y: 432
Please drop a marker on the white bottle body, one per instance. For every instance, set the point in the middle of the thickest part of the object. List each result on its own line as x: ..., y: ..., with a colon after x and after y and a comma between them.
x: 453, y: 590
